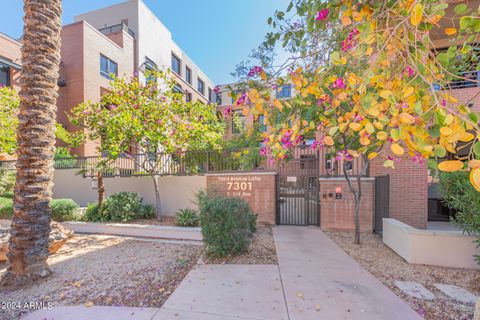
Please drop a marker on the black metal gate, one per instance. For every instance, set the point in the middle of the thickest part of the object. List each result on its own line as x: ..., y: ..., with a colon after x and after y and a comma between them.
x: 382, y: 201
x: 298, y: 189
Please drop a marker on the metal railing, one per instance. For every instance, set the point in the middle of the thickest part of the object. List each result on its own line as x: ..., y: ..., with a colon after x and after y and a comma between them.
x: 467, y: 79
x: 116, y: 28
x: 202, y: 162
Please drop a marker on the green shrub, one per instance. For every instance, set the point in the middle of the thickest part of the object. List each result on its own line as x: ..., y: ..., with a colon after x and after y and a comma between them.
x: 93, y: 214
x: 146, y: 211
x: 7, y: 183
x: 186, y: 218
x: 459, y: 194
x: 64, y: 210
x: 227, y: 224
x: 63, y: 158
x: 6, y: 208
x: 122, y: 207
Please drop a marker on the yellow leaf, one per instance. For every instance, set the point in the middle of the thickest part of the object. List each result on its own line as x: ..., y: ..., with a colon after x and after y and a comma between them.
x: 450, y: 166
x: 346, y: 21
x: 385, y: 94
x: 389, y: 164
x: 408, y: 92
x: 372, y: 155
x: 474, y: 164
x: 449, y: 119
x: 382, y: 135
x: 369, y: 128
x: 397, y: 149
x: 475, y: 178
x: 328, y: 141
x: 417, y: 14
x: 466, y: 137
x: 89, y: 304
x: 446, y: 131
x: 373, y: 112
x: 369, y: 51
x: 450, y: 31
x: 355, y: 126
x: 406, y: 118
x: 364, y: 141
x: 246, y: 111
x: 278, y: 105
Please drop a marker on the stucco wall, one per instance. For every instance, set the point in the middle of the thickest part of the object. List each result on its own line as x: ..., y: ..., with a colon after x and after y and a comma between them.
x: 175, y: 192
x: 430, y: 247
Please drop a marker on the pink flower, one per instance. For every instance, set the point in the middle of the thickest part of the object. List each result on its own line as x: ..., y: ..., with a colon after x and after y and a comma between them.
x: 255, y: 71
x: 444, y: 103
x: 216, y: 89
x: 339, y: 84
x: 410, y: 71
x: 322, y: 15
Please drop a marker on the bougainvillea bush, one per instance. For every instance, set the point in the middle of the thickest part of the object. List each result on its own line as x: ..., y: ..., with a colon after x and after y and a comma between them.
x: 370, y: 84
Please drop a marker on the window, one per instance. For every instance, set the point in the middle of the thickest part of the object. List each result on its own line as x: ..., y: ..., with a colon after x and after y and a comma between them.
x: 177, y: 88
x: 188, y: 97
x: 176, y: 65
x: 4, y: 75
x: 150, y: 66
x: 210, y: 95
x: 284, y: 92
x: 188, y: 75
x: 219, y: 99
x: 201, y: 86
x: 238, y: 121
x: 261, y: 123
x: 108, y: 67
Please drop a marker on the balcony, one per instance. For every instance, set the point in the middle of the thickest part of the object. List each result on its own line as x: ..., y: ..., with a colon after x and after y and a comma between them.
x: 117, y: 28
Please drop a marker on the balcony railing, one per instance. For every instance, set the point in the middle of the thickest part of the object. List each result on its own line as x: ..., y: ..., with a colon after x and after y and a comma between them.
x: 117, y: 28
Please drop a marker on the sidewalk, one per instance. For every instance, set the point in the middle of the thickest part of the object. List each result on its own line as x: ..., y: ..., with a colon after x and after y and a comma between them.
x: 314, y: 279
x: 320, y: 281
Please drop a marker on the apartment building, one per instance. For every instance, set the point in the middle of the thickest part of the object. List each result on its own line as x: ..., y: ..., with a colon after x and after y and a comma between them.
x: 154, y: 46
x: 125, y: 39
x: 10, y: 63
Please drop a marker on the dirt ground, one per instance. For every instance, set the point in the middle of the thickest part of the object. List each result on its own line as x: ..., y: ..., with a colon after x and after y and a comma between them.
x: 261, y: 250
x: 106, y: 270
x: 387, y: 266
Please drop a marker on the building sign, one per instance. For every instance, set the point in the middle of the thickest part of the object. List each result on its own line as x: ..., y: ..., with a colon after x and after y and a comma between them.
x: 237, y: 186
x: 257, y: 189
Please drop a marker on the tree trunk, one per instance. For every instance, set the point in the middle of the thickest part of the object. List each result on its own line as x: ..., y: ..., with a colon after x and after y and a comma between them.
x: 357, y: 194
x: 157, y: 196
x: 28, y: 245
x: 101, y: 189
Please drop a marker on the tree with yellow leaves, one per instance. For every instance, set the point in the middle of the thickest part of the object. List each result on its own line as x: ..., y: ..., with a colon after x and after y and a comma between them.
x: 377, y: 90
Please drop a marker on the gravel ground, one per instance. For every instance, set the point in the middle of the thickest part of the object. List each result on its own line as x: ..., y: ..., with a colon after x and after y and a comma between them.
x: 164, y: 221
x: 387, y: 266
x: 109, y: 271
x: 261, y: 250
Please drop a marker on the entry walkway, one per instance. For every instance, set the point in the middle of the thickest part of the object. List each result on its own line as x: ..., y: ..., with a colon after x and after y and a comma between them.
x: 320, y: 281
x: 314, y: 279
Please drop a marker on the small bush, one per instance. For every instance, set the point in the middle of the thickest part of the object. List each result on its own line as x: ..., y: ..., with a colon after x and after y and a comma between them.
x: 6, y: 208
x: 186, y: 218
x: 64, y: 210
x: 93, y: 214
x: 7, y: 183
x: 227, y: 224
x: 122, y: 207
x: 146, y: 211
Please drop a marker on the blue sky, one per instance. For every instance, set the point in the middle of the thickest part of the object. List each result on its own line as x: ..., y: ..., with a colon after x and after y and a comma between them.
x: 216, y: 34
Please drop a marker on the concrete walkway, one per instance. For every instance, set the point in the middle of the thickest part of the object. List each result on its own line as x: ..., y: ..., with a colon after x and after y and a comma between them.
x: 314, y: 279
x: 320, y: 281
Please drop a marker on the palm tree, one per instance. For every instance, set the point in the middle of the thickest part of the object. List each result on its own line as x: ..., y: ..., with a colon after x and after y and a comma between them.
x: 28, y: 246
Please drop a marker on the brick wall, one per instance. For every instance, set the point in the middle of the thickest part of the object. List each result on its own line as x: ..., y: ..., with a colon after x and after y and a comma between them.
x: 338, y: 214
x: 408, y: 190
x: 258, y: 189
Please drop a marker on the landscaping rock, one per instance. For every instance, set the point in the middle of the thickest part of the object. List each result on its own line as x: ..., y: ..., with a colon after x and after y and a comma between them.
x: 58, y: 236
x: 415, y: 289
x: 457, y: 293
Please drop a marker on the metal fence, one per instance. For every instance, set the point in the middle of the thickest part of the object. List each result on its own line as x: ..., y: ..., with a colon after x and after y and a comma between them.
x: 200, y: 162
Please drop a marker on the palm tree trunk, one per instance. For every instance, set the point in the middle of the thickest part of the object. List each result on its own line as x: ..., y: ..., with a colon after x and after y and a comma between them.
x: 28, y: 246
